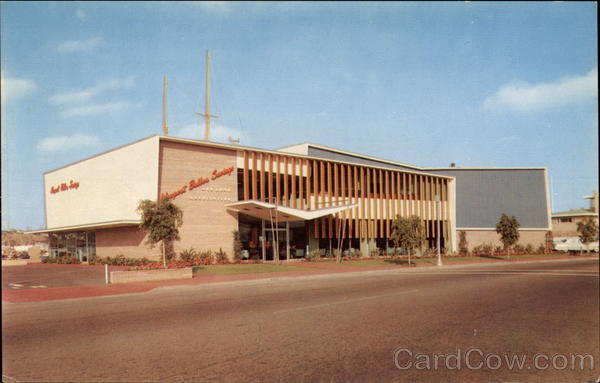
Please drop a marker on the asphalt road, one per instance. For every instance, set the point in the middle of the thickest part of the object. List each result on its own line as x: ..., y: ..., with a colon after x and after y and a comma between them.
x: 372, y: 328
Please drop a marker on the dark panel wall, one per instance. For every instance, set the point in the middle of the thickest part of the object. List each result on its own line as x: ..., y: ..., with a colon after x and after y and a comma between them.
x: 326, y: 154
x: 482, y: 195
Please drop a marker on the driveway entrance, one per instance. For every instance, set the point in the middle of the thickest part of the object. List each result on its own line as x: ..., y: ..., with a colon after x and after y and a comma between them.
x: 40, y: 276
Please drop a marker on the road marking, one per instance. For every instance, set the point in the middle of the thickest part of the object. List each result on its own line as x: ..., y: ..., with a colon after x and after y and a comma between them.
x: 39, y: 287
x: 344, y: 302
x: 535, y: 271
x: 474, y: 272
x: 15, y: 285
x: 9, y: 379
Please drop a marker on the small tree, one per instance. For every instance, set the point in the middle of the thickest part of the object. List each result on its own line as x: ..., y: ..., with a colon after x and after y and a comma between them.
x: 588, y: 232
x: 161, y: 220
x: 463, y: 245
x: 237, y: 245
x: 549, y: 242
x: 407, y: 233
x: 508, y: 228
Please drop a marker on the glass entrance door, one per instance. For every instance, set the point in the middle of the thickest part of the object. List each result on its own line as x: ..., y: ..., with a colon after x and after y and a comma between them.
x: 276, y: 243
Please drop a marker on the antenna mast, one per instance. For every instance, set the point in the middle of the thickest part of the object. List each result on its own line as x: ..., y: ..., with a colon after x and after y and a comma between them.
x: 164, y: 121
x: 207, y: 116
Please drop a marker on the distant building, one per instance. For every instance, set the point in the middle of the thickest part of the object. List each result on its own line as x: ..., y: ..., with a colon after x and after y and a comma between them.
x: 564, y: 223
x: 484, y: 194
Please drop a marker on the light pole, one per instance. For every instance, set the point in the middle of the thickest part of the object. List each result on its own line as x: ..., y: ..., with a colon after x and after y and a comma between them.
x: 439, y: 254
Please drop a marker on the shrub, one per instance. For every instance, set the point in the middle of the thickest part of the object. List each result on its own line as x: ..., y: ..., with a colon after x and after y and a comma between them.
x: 498, y: 249
x: 519, y: 248
x: 119, y: 260
x: 205, y: 257
x: 237, y: 245
x: 463, y: 245
x: 94, y: 260
x: 338, y: 253
x: 313, y: 255
x: 189, y: 255
x: 221, y: 256
x: 375, y: 253
x: 351, y: 254
x: 64, y: 260
x: 549, y: 246
x: 541, y: 249
x: 22, y: 255
x: 529, y: 248
x: 133, y: 262
x: 487, y: 248
x: 354, y: 253
x: 483, y: 249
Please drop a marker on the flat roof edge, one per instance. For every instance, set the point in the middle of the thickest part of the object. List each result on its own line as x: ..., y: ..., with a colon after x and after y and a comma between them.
x: 359, y: 155
x: 491, y: 168
x: 86, y: 226
x: 100, y: 154
x: 411, y: 169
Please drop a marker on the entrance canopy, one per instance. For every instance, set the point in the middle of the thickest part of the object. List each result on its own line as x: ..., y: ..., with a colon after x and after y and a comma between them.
x: 267, y: 211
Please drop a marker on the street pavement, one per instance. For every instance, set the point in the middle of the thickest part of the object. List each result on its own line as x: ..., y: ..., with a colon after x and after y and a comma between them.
x: 367, y: 327
x: 41, y: 282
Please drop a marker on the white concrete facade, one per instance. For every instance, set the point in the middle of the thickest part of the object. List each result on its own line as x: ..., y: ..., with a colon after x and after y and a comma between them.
x: 104, y: 188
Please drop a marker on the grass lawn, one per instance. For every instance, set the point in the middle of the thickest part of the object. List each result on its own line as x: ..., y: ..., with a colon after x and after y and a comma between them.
x: 433, y: 261
x: 274, y: 268
x: 245, y: 269
x: 525, y: 256
x: 392, y: 262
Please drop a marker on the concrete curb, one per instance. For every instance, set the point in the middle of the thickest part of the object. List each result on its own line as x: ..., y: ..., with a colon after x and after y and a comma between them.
x: 122, y: 276
x: 125, y: 290
x: 14, y: 262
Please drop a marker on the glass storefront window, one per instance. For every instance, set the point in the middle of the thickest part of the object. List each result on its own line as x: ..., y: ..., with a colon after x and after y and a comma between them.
x: 80, y: 244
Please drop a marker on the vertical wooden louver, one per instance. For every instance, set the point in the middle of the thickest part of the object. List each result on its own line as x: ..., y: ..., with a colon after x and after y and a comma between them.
x: 380, y: 194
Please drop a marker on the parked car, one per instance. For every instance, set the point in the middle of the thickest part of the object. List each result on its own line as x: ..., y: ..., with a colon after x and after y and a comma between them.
x: 574, y: 244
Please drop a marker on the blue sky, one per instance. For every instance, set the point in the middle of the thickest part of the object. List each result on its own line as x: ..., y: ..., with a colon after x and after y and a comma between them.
x: 477, y: 84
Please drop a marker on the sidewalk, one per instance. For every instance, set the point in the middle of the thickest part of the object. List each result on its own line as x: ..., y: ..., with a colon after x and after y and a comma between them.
x: 318, y: 268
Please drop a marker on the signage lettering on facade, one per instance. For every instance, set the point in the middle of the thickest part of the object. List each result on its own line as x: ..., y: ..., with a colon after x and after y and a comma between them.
x: 224, y: 172
x: 193, y: 184
x: 64, y: 187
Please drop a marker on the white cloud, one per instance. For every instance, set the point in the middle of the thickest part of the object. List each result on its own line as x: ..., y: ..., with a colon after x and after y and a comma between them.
x: 76, y: 141
x: 79, y: 45
x: 95, y: 109
x: 524, y: 97
x: 13, y: 88
x: 80, y: 14
x: 218, y: 133
x: 86, y: 94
